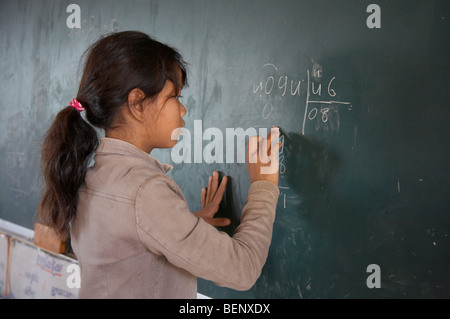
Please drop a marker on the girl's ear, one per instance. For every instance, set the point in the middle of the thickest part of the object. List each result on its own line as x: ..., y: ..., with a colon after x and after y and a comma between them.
x: 135, y: 105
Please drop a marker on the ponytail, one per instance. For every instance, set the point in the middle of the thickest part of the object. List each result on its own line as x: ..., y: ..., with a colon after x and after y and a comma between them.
x: 65, y: 156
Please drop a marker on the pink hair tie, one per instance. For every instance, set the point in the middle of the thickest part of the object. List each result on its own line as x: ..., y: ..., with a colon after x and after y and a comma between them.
x: 77, y: 105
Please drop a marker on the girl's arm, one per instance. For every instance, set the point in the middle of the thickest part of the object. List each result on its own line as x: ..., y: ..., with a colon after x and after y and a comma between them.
x: 166, y: 227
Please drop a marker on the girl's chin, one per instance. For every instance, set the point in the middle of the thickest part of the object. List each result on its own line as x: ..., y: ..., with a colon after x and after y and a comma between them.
x: 176, y: 134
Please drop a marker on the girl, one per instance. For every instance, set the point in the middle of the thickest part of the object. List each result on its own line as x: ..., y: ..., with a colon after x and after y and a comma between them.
x: 129, y: 223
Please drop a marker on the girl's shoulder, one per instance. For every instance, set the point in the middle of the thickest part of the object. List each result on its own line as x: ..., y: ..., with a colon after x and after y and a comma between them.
x: 123, y: 177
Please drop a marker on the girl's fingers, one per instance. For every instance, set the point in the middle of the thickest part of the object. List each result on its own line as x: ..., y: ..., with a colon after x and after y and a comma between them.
x: 213, y: 194
x: 215, y: 184
x: 263, y: 149
x: 203, y: 197
x: 260, y: 148
x: 219, y: 194
x: 208, y: 195
x: 253, y: 146
x: 274, y: 156
x: 271, y: 137
x: 271, y: 152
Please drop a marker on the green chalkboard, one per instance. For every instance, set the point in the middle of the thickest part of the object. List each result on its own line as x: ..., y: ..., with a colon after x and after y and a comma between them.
x: 361, y: 96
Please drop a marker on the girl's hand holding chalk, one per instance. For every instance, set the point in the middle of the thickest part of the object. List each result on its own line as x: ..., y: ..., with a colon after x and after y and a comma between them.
x: 263, y: 157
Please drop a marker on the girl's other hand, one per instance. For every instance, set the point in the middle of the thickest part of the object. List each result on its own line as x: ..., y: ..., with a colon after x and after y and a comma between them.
x: 211, y: 198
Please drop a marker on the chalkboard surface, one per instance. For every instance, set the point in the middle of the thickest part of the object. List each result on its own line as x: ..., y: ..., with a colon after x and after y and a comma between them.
x: 364, y: 110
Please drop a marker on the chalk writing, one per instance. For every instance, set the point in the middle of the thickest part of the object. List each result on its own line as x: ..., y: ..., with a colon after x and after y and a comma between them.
x: 321, y: 104
x: 282, y: 168
x: 283, y: 82
x: 329, y: 111
x: 283, y: 194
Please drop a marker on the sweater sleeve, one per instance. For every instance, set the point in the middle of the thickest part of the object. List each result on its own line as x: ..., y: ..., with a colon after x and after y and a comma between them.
x: 166, y: 226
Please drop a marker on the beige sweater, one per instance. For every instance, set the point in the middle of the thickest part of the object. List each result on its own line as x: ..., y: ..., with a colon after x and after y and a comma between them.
x: 135, y: 237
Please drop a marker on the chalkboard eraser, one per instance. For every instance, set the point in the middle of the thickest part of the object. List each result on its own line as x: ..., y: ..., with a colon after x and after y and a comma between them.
x: 45, y: 237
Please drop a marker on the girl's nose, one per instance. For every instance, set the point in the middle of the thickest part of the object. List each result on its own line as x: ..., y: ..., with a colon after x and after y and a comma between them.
x: 183, y: 110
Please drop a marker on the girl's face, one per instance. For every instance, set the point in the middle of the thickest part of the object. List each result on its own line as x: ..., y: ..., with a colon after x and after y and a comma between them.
x: 165, y: 118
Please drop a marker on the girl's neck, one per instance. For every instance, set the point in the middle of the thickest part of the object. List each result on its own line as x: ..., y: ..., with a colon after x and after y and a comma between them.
x: 140, y: 143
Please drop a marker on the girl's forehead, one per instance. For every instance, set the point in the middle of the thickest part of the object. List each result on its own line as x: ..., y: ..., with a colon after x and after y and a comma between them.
x: 169, y: 88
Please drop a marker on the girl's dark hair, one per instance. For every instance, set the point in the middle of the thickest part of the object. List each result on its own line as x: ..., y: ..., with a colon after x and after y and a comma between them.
x: 113, y: 66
